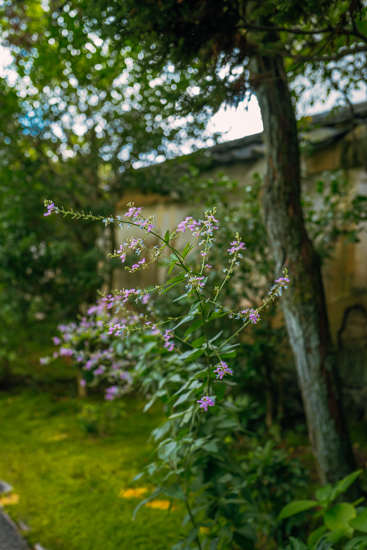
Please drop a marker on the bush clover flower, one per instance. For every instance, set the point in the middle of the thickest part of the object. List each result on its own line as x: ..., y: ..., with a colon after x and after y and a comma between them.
x: 167, y: 337
x: 252, y: 314
x: 51, y: 208
x: 112, y: 392
x: 145, y: 299
x: 139, y: 265
x: 65, y: 352
x: 208, y: 225
x: 223, y: 369
x: 280, y: 283
x: 194, y: 282
x: 116, y: 329
x: 206, y: 402
x: 133, y: 212
x: 188, y: 223
x: 236, y: 246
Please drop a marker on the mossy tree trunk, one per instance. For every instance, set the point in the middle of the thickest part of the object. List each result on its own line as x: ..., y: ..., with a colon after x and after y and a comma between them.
x: 304, y: 301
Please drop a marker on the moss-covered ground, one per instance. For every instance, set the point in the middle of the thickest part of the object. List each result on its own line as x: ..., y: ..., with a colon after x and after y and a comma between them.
x: 69, y: 481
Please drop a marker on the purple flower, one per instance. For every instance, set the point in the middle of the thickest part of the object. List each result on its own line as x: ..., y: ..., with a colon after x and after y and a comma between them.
x: 145, y: 299
x: 83, y: 382
x: 194, y: 282
x: 57, y: 341
x: 282, y: 281
x: 236, y: 246
x: 66, y: 352
x: 50, y: 209
x: 133, y: 212
x: 222, y: 369
x: 167, y: 337
x: 206, y: 402
x: 112, y: 392
x: 138, y: 265
x: 279, y: 285
x: 190, y: 223
x: 253, y: 315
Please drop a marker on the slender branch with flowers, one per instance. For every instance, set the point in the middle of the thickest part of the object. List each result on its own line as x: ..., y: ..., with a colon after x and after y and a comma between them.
x: 185, y: 365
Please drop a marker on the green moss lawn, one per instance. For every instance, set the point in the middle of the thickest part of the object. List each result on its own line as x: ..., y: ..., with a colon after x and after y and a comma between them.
x: 69, y: 480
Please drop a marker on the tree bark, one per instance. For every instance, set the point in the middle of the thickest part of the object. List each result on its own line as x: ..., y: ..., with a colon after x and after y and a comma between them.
x: 304, y: 301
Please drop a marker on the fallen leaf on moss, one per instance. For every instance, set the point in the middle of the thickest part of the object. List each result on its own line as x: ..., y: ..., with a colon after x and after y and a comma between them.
x: 9, y: 499
x: 160, y: 505
x: 133, y: 493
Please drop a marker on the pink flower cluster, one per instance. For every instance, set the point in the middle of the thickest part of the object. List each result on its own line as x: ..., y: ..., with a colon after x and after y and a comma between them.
x: 282, y: 281
x: 252, y: 314
x: 209, y: 226
x: 138, y: 265
x: 280, y: 284
x: 206, y: 402
x: 189, y: 223
x: 168, y: 338
x: 222, y: 369
x: 50, y: 208
x: 236, y: 246
x: 194, y: 282
x: 116, y: 329
x: 134, y: 213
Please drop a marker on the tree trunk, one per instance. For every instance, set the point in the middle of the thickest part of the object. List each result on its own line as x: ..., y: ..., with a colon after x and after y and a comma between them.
x: 304, y: 301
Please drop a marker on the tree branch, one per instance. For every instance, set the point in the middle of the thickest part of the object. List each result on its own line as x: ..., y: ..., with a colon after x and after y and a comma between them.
x: 333, y: 57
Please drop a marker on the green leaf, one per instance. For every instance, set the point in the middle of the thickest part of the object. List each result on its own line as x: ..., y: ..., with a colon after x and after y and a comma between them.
x: 178, y: 414
x: 229, y: 355
x: 339, y: 516
x: 344, y: 484
x: 216, y: 336
x: 357, y: 543
x: 175, y: 491
x: 166, y: 237
x: 191, y: 536
x: 194, y: 307
x: 181, y: 297
x: 187, y: 416
x: 183, y: 398
x: 315, y: 535
x: 324, y: 493
x: 171, y: 266
x: 143, y: 502
x: 224, y: 479
x: 138, y: 476
x: 331, y: 538
x: 247, y: 531
x: 360, y: 522
x: 296, y: 544
x: 184, y: 320
x: 198, y: 342
x: 296, y: 507
x: 187, y: 249
x: 195, y: 325
x: 193, y: 355
x: 168, y: 287
x: 211, y: 447
x: 176, y: 279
